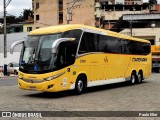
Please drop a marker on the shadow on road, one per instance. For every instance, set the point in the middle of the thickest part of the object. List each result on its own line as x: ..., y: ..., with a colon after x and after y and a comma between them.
x: 48, y: 95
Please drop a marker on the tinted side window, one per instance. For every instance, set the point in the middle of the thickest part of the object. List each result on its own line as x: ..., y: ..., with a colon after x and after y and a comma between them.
x: 67, y: 50
x: 88, y: 43
x: 125, y: 46
x: 73, y: 34
x: 93, y: 42
x: 146, y: 48
x: 110, y: 44
x: 138, y: 48
x: 133, y: 47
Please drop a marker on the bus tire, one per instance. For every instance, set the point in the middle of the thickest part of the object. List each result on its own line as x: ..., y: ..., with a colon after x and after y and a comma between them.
x: 139, y: 78
x: 133, y: 78
x: 80, y: 85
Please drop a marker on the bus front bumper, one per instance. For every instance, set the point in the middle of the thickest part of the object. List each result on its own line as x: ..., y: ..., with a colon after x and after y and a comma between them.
x: 47, y: 86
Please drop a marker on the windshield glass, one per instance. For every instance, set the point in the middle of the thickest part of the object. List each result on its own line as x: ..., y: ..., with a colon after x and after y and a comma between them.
x: 30, y: 47
x: 37, y: 57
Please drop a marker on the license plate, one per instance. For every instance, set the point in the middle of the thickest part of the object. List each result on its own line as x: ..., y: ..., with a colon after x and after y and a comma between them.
x: 33, y: 88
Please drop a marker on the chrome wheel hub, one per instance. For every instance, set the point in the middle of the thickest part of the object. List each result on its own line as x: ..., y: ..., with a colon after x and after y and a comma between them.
x: 80, y: 85
x: 139, y: 78
x: 133, y: 79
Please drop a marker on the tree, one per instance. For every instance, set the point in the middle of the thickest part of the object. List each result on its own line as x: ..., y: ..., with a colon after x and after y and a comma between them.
x: 10, y: 19
x: 25, y: 14
x: 152, y: 2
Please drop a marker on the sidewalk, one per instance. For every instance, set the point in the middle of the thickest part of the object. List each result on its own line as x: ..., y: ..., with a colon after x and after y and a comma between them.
x: 2, y: 76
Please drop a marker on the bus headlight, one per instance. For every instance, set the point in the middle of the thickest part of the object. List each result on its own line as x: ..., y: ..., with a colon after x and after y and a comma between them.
x: 53, y: 77
x: 20, y: 76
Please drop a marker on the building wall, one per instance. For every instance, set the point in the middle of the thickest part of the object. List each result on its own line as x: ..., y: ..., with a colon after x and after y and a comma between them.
x: 47, y: 11
x: 119, y: 1
x: 155, y: 7
x: 113, y: 1
x: 25, y: 26
x: 145, y: 33
x: 115, y: 15
x: 82, y: 13
x: 133, y: 2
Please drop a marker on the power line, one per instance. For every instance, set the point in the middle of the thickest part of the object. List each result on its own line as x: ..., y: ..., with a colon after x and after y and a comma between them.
x: 9, y: 1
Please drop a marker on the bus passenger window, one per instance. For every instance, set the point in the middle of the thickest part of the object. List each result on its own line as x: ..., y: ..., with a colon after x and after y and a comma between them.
x: 88, y: 43
x: 66, y: 54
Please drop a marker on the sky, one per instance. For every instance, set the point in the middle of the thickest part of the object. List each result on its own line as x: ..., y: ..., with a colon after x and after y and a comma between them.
x: 16, y: 6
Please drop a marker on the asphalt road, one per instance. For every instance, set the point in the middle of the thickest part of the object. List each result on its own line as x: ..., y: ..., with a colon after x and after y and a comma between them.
x: 116, y: 97
x: 8, y: 81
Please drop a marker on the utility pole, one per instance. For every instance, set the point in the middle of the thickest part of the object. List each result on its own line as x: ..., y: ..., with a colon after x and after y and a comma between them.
x: 5, y: 41
x: 5, y: 37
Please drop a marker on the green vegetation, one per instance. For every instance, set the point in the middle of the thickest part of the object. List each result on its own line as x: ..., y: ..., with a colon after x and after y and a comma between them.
x: 152, y: 2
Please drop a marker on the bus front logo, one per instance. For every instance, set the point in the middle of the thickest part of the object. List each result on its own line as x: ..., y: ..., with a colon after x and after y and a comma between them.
x: 105, y: 59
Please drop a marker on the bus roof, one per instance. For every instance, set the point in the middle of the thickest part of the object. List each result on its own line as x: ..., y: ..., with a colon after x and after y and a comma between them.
x: 63, y: 28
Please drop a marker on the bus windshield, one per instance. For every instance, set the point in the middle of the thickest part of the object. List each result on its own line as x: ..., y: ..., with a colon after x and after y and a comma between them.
x: 36, y: 55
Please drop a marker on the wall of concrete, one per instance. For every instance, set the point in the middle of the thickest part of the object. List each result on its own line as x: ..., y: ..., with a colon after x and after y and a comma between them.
x: 83, y: 12
x: 11, y: 38
x: 145, y: 33
x: 47, y: 11
x: 10, y: 58
x: 115, y: 15
x: 25, y: 26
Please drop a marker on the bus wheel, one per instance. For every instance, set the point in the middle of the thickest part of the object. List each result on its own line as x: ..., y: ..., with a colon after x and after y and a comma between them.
x: 80, y: 85
x: 133, y: 78
x: 139, y: 78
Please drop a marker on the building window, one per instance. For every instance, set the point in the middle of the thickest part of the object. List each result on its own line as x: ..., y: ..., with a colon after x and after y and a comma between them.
x: 37, y: 17
x: 37, y: 5
x: 60, y: 18
x: 29, y: 29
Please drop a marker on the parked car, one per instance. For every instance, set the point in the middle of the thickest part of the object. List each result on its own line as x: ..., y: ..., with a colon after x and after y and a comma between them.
x: 12, y: 68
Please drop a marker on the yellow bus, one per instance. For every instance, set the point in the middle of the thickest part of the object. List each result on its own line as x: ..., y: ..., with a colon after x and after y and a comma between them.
x: 75, y: 57
x: 155, y: 58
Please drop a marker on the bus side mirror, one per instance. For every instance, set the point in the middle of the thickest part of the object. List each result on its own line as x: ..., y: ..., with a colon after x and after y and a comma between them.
x: 14, y: 44
x: 58, y: 41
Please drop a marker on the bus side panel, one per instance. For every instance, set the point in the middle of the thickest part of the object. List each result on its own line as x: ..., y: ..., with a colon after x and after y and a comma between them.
x: 64, y: 80
x: 115, y: 65
x: 92, y: 67
x: 140, y: 63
